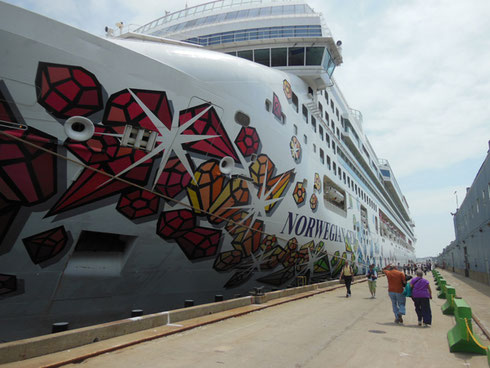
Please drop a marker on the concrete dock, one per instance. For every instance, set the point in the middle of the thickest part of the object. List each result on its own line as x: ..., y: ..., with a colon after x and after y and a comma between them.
x: 313, y: 329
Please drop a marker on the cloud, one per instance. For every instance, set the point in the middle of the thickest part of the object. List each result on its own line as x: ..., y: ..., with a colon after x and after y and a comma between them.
x: 421, y: 77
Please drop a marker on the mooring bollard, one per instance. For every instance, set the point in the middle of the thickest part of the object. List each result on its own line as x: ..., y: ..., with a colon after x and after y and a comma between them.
x: 188, y: 303
x: 59, y: 327
x: 218, y: 298
x: 136, y: 312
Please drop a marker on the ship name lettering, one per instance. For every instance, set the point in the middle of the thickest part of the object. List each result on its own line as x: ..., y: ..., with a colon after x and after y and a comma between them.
x: 313, y: 228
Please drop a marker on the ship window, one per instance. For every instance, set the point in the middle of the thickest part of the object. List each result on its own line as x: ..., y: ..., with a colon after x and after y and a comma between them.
x: 295, y: 129
x: 320, y: 107
x: 253, y: 12
x: 310, y: 91
x: 283, y: 118
x: 333, y: 146
x: 313, y: 123
x: 242, y: 14
x: 296, y: 56
x: 242, y: 118
x: 338, y: 133
x: 348, y: 182
x: 262, y: 56
x: 314, y: 55
x: 328, y: 162
x: 268, y: 104
x: 326, y: 96
x: 265, y: 11
x: 320, y: 131
x: 305, y: 138
x: 305, y: 114
x: 288, y: 9
x: 337, y: 112
x: 231, y: 15
x: 246, y: 54
x: 327, y: 118
x: 334, y: 167
x: 295, y: 101
x: 299, y: 9
x: 276, y: 10
x: 314, y: 148
x: 331, y: 68
x: 333, y: 127
x: 343, y: 176
x: 93, y: 241
x: 331, y: 105
x: 334, y: 196
x: 232, y: 53
x: 279, y: 56
x: 322, y: 156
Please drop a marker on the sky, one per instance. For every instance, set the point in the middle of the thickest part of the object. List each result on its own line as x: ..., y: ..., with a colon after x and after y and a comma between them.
x: 418, y: 70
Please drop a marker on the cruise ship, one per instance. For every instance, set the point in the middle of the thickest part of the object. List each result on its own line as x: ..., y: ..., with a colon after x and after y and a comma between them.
x: 207, y: 152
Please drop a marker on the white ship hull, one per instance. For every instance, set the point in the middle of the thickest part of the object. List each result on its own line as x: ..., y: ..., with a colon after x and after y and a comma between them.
x: 92, y: 229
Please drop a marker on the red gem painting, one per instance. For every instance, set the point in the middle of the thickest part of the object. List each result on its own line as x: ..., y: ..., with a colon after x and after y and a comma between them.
x: 46, y: 245
x: 173, y: 224
x: 8, y: 283
x: 68, y: 90
x: 247, y: 141
x: 174, y: 178
x: 122, y: 108
x: 208, y: 124
x: 276, y: 106
x: 138, y: 203
x: 27, y: 173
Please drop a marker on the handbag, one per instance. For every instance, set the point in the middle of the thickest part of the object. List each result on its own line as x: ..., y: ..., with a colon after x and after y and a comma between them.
x: 407, y: 291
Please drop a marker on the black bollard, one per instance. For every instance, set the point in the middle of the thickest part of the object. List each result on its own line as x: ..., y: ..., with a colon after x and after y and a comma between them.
x: 136, y: 312
x: 59, y: 327
x: 188, y: 303
x: 218, y: 298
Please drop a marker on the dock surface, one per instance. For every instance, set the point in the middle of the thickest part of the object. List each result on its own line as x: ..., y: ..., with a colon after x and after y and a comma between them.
x: 323, y: 330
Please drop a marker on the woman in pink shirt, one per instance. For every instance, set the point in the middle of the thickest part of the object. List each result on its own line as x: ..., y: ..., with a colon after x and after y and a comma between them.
x: 421, y: 295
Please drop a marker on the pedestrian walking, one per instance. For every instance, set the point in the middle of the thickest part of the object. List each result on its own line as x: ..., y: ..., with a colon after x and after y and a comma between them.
x: 372, y: 275
x: 421, y: 295
x: 347, y: 274
x: 396, y: 283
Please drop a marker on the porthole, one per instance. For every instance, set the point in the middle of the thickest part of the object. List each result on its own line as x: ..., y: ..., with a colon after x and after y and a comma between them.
x: 242, y: 119
x: 268, y: 105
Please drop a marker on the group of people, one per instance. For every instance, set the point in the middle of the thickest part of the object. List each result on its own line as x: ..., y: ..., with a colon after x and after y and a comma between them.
x: 400, y: 286
x: 411, y: 268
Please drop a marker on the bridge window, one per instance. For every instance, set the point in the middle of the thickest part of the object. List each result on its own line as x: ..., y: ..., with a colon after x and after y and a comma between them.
x: 246, y: 54
x: 262, y: 56
x: 296, y: 56
x: 279, y: 56
x: 314, y: 55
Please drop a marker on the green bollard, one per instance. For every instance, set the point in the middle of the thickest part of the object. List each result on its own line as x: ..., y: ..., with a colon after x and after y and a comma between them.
x: 440, y: 283
x: 448, y: 306
x: 442, y: 293
x: 460, y: 337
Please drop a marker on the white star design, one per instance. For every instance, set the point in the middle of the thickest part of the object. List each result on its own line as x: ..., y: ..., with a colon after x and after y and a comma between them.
x: 168, y: 141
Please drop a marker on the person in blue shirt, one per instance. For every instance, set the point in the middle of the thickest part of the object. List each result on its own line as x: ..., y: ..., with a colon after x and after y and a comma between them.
x: 372, y: 275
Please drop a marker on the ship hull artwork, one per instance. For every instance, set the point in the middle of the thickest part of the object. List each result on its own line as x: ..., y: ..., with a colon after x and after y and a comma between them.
x: 138, y: 176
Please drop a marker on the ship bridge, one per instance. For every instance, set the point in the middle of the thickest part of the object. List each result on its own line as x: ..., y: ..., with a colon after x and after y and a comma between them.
x: 288, y: 35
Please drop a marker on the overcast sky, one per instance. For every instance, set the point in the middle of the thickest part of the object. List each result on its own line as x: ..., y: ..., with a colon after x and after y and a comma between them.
x: 418, y: 70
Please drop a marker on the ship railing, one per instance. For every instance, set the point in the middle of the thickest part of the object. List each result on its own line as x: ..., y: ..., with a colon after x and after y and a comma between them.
x: 208, y: 7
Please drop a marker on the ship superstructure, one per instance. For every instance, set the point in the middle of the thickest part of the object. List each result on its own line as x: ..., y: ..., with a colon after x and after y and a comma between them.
x: 206, y: 153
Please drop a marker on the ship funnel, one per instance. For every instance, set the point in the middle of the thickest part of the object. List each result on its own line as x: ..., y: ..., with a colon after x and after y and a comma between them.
x: 79, y: 128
